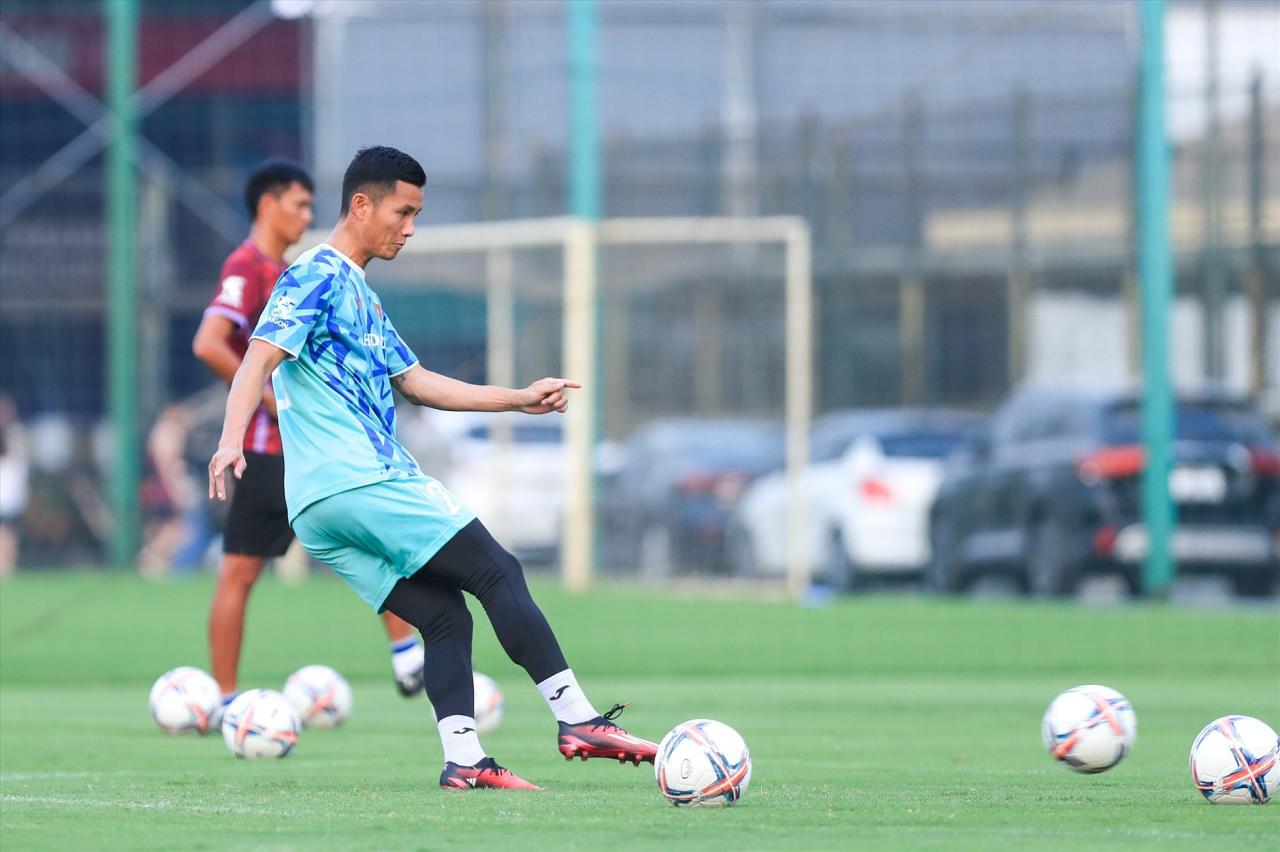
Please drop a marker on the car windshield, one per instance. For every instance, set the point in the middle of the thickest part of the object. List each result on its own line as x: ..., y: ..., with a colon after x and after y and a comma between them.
x: 922, y: 444
x: 1122, y: 424
x: 899, y: 437
x: 522, y: 433
x: 730, y: 445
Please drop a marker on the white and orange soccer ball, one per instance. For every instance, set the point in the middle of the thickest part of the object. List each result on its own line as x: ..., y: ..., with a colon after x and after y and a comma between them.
x: 261, y: 723
x: 321, y: 696
x: 489, y: 703
x: 1089, y: 728
x: 183, y: 700
x: 1235, y: 760
x: 703, y: 763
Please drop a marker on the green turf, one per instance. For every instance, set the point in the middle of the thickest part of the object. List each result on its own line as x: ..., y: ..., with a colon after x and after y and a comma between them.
x: 876, y: 723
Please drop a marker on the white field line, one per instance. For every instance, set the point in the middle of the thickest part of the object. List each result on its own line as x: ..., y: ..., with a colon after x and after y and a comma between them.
x: 8, y: 777
x: 159, y: 804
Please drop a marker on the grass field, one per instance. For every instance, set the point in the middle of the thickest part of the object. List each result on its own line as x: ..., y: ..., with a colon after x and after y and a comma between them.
x: 875, y: 723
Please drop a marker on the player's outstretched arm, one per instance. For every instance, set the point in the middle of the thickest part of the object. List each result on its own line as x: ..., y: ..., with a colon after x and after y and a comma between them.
x: 423, y: 387
x: 246, y: 391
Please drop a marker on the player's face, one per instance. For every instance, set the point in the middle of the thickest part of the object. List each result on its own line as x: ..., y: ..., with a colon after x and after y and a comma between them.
x: 390, y: 223
x: 289, y: 212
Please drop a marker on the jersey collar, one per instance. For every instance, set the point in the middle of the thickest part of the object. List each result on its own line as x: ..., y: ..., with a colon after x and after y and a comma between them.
x: 348, y: 260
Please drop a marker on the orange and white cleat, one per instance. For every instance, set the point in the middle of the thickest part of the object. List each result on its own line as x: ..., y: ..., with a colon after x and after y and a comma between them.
x: 486, y: 774
x: 600, y: 737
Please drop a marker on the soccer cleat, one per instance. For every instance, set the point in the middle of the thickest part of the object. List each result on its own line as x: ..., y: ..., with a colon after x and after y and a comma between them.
x: 486, y: 774
x: 412, y: 683
x: 600, y: 737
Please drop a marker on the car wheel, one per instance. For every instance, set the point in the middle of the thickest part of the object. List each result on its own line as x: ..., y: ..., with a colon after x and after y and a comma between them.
x: 1131, y: 578
x: 942, y: 575
x: 1260, y: 584
x: 741, y: 550
x: 1050, y: 570
x: 841, y: 568
x: 657, y: 552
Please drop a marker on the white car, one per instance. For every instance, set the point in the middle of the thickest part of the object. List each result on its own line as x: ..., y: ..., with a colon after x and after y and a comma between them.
x: 869, y: 487
x: 516, y: 488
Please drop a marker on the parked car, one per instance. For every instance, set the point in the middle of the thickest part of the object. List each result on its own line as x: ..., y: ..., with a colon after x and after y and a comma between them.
x: 869, y: 486
x: 519, y: 493
x: 1051, y: 494
x: 667, y: 506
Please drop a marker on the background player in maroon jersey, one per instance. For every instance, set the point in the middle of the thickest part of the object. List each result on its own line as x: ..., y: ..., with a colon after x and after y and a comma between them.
x: 278, y: 198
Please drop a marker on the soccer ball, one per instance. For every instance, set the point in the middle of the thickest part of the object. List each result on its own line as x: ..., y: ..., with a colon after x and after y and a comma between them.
x: 321, y: 696
x: 260, y: 723
x: 183, y: 699
x: 1089, y: 728
x: 703, y: 763
x: 1235, y: 760
x: 488, y: 704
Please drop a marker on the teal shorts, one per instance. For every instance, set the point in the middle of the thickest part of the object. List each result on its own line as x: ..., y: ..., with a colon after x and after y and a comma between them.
x: 378, y: 534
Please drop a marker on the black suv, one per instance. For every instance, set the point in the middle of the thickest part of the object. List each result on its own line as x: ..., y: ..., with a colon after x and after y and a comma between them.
x: 1049, y: 493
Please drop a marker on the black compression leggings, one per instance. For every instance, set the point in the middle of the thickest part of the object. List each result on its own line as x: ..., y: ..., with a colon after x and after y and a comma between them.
x: 431, y: 600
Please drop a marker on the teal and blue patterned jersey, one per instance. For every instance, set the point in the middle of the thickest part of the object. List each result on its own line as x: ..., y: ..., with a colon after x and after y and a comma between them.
x: 333, y: 392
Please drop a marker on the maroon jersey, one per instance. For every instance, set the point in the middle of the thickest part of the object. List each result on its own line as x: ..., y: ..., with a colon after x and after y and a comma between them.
x: 246, y: 281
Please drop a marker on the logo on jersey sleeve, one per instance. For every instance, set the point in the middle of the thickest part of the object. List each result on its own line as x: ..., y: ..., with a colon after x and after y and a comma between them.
x: 232, y: 291
x: 281, y: 312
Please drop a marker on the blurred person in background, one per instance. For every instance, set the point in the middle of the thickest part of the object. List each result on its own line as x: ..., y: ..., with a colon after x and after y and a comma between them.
x: 66, y: 521
x: 170, y: 497
x: 13, y: 485
x: 278, y: 199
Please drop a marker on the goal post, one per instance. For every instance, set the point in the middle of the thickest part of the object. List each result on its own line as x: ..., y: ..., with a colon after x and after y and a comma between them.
x: 493, y: 247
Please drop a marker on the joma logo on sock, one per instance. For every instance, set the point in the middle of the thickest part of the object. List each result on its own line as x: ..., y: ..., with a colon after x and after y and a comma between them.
x: 559, y: 692
x: 464, y: 730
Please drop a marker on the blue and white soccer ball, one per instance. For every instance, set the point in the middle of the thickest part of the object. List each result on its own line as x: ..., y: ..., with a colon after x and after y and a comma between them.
x: 321, y: 696
x: 703, y: 763
x: 1089, y: 728
x: 261, y: 723
x: 1235, y: 760
x: 183, y: 700
x: 489, y: 703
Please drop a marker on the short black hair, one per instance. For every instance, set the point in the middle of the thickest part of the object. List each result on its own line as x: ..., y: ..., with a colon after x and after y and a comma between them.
x: 273, y: 176
x: 378, y: 168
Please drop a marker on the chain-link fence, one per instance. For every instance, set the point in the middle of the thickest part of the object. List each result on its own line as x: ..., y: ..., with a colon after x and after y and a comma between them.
x: 966, y: 170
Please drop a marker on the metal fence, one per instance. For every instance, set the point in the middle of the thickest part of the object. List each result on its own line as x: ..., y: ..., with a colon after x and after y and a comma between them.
x: 966, y: 170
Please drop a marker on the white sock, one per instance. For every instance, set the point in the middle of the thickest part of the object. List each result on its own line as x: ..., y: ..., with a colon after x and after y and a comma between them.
x: 406, y: 656
x: 566, y: 699
x: 460, y: 741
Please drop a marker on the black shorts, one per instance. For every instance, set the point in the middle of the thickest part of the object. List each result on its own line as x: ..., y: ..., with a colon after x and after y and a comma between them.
x: 258, y: 521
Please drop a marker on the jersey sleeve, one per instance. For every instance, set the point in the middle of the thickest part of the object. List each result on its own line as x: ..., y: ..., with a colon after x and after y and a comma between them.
x: 399, y: 356
x: 237, y: 288
x: 298, y: 303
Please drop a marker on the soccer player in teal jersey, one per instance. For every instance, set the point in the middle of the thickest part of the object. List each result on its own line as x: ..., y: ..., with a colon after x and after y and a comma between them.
x: 357, y: 499
x: 278, y: 200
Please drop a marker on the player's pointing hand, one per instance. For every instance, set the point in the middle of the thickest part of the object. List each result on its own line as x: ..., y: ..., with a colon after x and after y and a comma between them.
x: 545, y: 396
x: 224, y: 458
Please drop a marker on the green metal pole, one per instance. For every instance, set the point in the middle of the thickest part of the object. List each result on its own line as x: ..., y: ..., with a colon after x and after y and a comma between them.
x: 584, y: 122
x: 122, y: 316
x: 1156, y: 280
